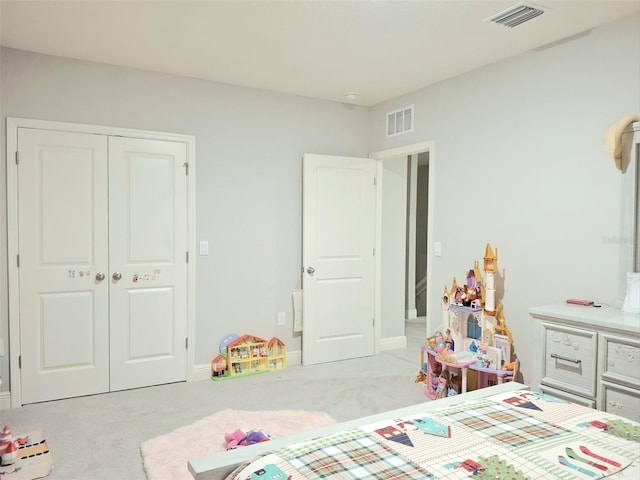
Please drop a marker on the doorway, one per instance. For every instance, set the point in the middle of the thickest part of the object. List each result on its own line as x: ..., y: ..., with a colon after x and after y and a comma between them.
x: 415, y: 289
x: 417, y: 252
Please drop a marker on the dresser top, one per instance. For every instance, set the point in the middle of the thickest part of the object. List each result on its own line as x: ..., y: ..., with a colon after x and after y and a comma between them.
x: 604, y: 317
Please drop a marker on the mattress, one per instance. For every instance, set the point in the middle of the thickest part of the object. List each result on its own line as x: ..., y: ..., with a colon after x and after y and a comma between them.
x: 515, y: 434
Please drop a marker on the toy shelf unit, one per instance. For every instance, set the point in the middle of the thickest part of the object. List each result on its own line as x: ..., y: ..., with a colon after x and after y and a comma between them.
x: 248, y: 355
x: 475, y: 336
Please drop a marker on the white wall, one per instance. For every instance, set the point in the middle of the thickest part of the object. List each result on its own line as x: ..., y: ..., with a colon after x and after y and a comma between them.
x: 249, y: 145
x: 393, y: 243
x: 520, y: 164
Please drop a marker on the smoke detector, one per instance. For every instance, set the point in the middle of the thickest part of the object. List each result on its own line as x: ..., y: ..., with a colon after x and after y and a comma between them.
x: 517, y: 15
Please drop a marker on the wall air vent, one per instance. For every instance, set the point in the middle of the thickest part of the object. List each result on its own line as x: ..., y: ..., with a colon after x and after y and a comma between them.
x: 400, y: 121
x: 516, y: 15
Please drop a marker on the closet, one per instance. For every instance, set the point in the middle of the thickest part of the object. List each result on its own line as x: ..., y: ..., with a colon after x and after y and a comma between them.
x: 101, y: 263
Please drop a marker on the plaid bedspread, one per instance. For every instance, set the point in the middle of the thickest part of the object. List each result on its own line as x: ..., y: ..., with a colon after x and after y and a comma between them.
x: 517, y: 435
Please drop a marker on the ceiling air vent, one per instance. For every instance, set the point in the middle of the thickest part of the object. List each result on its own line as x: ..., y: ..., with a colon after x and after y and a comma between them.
x: 400, y: 121
x: 516, y: 15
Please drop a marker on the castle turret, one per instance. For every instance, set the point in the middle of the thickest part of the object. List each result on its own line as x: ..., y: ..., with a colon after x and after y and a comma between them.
x: 490, y: 268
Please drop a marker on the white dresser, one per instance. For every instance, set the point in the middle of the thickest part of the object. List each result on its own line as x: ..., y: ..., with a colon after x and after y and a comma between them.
x: 590, y: 356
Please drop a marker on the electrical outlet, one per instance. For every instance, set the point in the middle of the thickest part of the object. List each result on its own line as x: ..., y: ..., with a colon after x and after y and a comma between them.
x: 282, y: 319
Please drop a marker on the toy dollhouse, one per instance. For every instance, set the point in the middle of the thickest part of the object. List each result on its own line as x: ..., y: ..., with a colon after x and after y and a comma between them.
x: 248, y: 355
x: 277, y: 354
x: 475, y: 334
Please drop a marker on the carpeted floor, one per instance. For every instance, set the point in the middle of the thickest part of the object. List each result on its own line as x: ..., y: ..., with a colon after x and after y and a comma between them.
x: 99, y: 437
x: 165, y: 457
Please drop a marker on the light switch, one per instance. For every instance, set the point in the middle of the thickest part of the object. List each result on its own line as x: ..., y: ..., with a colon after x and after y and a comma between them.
x: 437, y: 249
x: 204, y: 247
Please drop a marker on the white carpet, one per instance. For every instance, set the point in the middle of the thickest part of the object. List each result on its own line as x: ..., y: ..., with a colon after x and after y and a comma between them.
x: 165, y: 457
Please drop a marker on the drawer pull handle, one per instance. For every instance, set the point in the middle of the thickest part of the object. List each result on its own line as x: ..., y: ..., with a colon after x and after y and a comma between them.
x: 558, y: 357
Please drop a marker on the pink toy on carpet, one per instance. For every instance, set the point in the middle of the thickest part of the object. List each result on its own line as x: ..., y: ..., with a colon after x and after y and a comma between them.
x: 241, y: 439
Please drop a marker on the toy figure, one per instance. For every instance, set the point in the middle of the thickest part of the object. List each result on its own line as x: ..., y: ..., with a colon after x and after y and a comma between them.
x: 448, y: 340
x: 444, y: 383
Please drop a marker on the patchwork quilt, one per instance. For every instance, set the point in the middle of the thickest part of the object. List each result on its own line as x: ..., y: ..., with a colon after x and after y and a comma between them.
x: 516, y: 435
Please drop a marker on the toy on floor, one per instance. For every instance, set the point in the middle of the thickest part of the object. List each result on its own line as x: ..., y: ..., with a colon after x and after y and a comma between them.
x: 241, y: 439
x: 9, y: 446
x: 248, y: 355
x: 473, y: 334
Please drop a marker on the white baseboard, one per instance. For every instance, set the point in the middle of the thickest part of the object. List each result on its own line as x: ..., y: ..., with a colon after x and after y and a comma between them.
x: 5, y: 400
x: 411, y: 313
x: 203, y: 371
x: 200, y: 372
x: 294, y: 358
x: 393, y: 343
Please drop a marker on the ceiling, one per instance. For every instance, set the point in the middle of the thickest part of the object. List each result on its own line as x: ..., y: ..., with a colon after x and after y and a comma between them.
x: 314, y: 48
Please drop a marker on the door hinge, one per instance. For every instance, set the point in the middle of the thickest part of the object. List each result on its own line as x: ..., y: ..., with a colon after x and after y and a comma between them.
x: 186, y: 343
x: 374, y: 251
x: 187, y: 256
x: 17, y: 161
x: 375, y: 181
x: 186, y: 168
x: 18, y: 260
x: 19, y: 361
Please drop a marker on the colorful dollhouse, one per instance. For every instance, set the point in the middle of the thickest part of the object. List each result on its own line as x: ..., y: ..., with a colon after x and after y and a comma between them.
x: 277, y: 354
x: 473, y: 335
x: 248, y: 355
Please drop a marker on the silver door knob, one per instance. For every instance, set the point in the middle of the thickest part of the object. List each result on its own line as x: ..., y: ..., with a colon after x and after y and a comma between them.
x: 311, y: 270
x: 116, y: 276
x: 99, y: 276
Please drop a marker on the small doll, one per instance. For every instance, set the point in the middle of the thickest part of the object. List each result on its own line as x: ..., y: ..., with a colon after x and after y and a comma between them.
x: 443, y: 383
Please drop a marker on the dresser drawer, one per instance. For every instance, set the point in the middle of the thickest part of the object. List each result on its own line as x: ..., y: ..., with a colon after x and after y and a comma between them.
x: 621, y: 360
x: 570, y: 359
x: 621, y: 401
x: 569, y: 397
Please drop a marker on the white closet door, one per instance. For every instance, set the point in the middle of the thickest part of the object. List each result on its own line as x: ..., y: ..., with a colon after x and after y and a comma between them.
x: 148, y: 265
x: 63, y: 233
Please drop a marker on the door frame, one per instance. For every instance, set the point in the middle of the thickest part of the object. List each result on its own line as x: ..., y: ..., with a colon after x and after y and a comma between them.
x: 13, y: 123
x: 381, y: 156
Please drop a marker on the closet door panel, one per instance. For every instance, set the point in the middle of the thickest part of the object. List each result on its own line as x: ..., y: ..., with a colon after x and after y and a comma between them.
x: 63, y: 232
x: 148, y: 245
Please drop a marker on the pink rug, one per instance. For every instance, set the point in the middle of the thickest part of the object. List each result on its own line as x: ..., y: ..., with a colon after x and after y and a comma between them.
x: 165, y: 457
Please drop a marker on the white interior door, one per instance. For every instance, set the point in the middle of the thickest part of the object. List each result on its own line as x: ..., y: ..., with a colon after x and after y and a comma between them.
x: 338, y: 258
x: 148, y: 264
x: 63, y: 234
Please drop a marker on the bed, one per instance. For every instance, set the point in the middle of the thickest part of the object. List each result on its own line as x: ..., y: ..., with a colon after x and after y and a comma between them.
x: 504, y: 431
